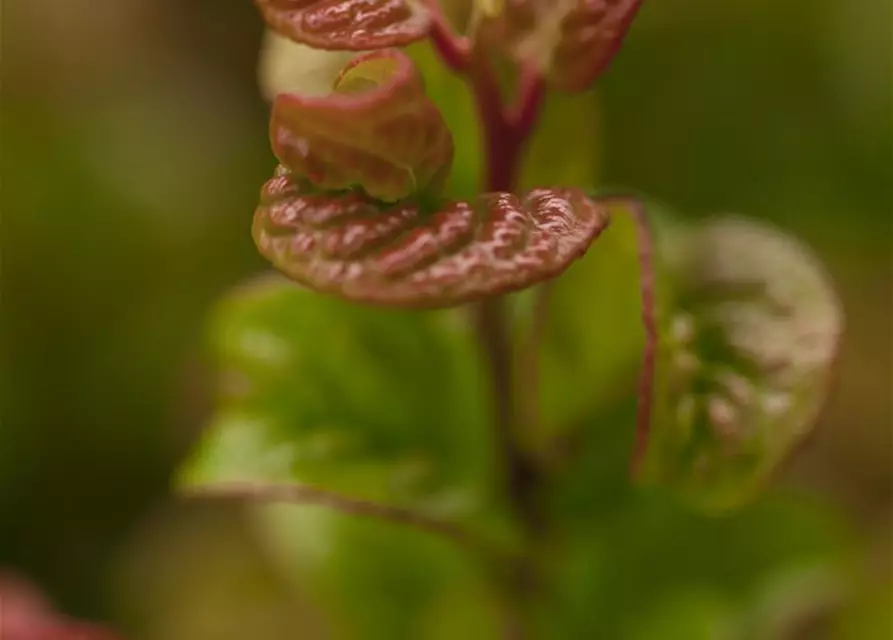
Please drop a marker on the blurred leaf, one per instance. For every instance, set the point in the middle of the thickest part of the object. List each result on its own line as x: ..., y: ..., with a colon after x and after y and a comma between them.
x: 379, y: 581
x: 550, y: 160
x: 376, y: 131
x: 25, y: 615
x: 870, y: 616
x: 744, y: 361
x: 289, y: 67
x: 571, y: 41
x: 187, y: 562
x: 405, y: 256
x: 450, y: 93
x: 591, y: 341
x: 636, y: 561
x: 644, y: 561
x: 380, y: 404
x: 347, y: 24
x: 686, y: 615
x: 795, y: 603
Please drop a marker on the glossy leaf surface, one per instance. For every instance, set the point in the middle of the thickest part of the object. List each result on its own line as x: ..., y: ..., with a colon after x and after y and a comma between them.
x: 354, y: 25
x: 400, y: 255
x: 745, y: 359
x: 571, y: 41
x: 377, y: 131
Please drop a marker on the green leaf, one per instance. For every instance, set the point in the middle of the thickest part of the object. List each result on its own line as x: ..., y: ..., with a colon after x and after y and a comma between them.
x: 686, y: 615
x: 590, y: 345
x: 377, y: 131
x: 384, y: 405
x: 354, y: 25
x: 380, y: 405
x: 650, y: 561
x: 570, y: 41
x: 399, y: 255
x: 744, y: 362
x: 378, y: 581
x: 549, y: 159
x: 449, y: 91
x: 749, y: 327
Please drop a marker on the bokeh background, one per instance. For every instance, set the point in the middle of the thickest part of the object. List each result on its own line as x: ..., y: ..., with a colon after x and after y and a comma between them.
x: 133, y: 147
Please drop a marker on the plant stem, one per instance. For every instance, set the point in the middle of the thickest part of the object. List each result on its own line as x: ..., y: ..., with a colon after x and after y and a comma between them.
x: 258, y: 492
x: 649, y: 321
x: 494, y: 338
x: 505, y: 132
x: 453, y: 49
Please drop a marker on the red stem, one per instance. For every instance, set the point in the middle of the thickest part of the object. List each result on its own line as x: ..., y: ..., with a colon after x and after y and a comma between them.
x: 649, y: 322
x: 256, y: 493
x: 526, y: 111
x: 505, y: 133
x: 453, y: 49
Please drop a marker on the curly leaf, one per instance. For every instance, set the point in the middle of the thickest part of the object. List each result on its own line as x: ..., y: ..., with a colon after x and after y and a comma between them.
x: 285, y: 66
x: 399, y: 255
x: 745, y: 359
x: 571, y: 41
x: 377, y: 131
x: 352, y: 25
x: 450, y: 93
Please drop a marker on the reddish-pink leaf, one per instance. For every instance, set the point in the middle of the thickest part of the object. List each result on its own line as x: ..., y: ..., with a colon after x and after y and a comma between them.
x: 350, y: 245
x: 353, y: 25
x: 377, y: 130
x: 570, y: 41
x: 25, y: 615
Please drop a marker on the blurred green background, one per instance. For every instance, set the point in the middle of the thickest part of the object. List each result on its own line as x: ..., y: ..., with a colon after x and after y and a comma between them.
x: 133, y: 148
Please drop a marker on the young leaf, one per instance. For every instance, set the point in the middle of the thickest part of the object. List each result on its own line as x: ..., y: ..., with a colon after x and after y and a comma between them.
x: 379, y: 406
x: 375, y: 404
x: 449, y: 91
x: 285, y: 66
x: 377, y: 131
x: 398, y: 255
x: 570, y: 41
x: 590, y: 338
x: 549, y: 159
x: 353, y: 25
x: 745, y: 359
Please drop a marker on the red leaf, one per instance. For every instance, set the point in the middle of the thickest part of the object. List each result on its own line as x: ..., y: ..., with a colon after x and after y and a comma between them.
x: 350, y: 245
x: 353, y: 25
x: 570, y: 41
x: 378, y: 131
x: 25, y: 615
